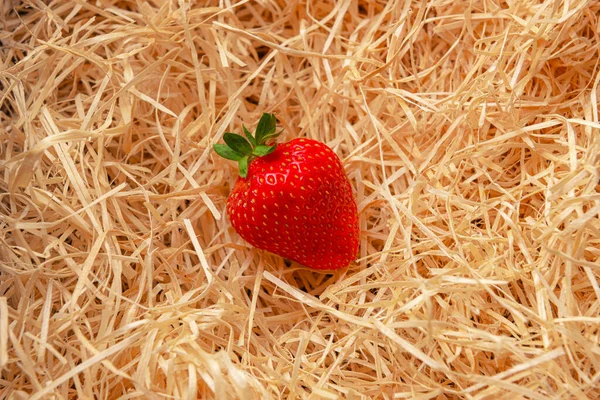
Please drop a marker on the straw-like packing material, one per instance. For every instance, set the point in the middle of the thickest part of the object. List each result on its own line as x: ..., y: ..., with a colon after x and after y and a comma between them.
x: 469, y: 130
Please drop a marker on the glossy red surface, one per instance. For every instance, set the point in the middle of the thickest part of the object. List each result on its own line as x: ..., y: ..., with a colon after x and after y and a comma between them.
x: 297, y: 203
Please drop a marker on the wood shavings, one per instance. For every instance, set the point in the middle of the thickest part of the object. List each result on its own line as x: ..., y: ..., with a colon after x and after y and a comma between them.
x: 469, y: 131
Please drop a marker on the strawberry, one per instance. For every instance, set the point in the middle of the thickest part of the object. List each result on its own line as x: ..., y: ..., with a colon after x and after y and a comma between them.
x: 291, y: 199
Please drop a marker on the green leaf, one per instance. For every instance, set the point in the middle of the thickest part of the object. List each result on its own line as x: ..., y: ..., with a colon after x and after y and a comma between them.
x: 266, y: 126
x: 249, y: 136
x: 262, y: 150
x: 226, y: 152
x: 237, y: 143
x: 271, y: 136
x: 243, y: 165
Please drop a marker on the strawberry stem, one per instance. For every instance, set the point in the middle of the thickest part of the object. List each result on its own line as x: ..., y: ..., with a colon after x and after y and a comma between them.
x: 244, y: 150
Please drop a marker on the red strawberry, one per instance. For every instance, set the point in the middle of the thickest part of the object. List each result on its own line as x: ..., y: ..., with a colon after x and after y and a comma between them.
x: 293, y: 199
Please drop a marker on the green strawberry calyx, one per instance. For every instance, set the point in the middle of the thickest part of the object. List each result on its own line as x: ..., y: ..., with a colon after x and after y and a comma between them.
x: 244, y: 150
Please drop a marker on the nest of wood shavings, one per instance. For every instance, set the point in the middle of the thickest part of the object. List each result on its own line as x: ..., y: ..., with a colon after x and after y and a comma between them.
x: 469, y: 131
